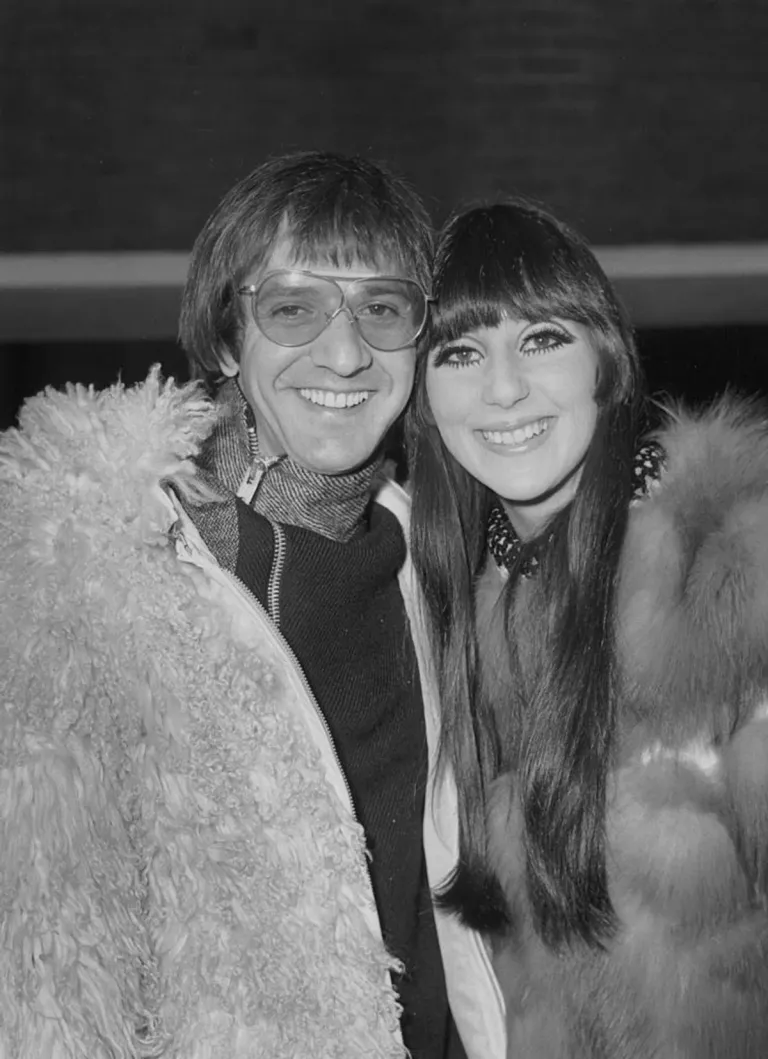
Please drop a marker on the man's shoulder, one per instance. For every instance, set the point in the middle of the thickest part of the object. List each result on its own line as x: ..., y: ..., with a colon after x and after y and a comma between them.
x: 141, y: 434
x: 98, y: 464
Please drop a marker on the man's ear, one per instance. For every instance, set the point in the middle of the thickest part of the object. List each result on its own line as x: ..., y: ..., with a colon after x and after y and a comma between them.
x: 228, y: 364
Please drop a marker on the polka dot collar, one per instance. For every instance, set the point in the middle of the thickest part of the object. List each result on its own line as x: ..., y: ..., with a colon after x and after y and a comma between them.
x: 509, y: 551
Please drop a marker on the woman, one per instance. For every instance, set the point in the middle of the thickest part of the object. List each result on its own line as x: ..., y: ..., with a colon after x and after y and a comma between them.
x: 598, y: 603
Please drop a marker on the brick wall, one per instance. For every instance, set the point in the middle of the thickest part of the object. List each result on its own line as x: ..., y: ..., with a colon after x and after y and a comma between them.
x: 122, y: 122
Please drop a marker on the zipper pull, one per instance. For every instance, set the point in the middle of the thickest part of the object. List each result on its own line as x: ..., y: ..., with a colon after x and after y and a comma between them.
x: 253, y: 476
x: 178, y: 539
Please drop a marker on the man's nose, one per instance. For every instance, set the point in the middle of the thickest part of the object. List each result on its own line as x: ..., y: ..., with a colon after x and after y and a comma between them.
x: 505, y: 382
x: 340, y: 347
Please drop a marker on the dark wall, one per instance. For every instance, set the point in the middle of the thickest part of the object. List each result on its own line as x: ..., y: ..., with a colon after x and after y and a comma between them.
x: 124, y: 121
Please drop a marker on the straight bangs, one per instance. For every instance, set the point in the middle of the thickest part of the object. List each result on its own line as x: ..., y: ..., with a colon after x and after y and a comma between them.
x: 497, y: 263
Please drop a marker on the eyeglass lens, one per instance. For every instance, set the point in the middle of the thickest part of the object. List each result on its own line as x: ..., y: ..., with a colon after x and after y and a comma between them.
x: 292, y: 308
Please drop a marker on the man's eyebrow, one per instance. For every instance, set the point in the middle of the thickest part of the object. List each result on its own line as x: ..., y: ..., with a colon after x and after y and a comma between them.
x: 383, y: 281
x: 284, y: 284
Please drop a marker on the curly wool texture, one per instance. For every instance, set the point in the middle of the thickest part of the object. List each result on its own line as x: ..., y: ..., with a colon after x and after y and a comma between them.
x: 178, y: 878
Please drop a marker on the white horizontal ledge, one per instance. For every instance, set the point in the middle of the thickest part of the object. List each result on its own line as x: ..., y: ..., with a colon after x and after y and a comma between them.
x: 135, y: 296
x: 121, y: 297
x: 169, y: 268
x: 684, y: 261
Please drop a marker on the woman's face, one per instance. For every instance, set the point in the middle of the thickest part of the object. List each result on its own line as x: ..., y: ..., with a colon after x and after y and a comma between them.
x: 515, y: 405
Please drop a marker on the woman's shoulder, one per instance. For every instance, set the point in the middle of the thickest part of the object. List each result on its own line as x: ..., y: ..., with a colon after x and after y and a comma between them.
x: 704, y: 475
x: 720, y: 448
x: 692, y: 596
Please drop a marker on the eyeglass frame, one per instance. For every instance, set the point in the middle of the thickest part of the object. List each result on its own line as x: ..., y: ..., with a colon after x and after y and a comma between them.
x: 252, y: 289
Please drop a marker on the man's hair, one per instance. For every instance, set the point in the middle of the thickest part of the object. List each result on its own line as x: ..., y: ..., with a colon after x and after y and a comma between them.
x: 331, y: 207
x: 513, y: 259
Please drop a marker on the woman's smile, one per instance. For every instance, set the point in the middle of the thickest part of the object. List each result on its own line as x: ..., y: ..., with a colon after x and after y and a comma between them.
x: 520, y: 438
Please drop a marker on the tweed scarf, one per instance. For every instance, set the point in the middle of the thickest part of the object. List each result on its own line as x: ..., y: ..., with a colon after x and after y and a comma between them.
x: 331, y: 505
x: 509, y: 551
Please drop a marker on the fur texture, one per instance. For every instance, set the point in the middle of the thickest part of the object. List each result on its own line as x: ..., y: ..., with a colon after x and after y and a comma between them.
x: 177, y: 879
x: 687, y: 975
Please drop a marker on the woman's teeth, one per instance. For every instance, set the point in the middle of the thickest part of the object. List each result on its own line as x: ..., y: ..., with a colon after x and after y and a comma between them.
x: 518, y: 436
x: 332, y: 399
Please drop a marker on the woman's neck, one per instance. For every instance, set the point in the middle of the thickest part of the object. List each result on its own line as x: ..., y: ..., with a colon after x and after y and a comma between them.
x: 531, y: 519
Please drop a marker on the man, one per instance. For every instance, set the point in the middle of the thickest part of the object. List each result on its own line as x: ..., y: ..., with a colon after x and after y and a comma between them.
x: 215, y: 755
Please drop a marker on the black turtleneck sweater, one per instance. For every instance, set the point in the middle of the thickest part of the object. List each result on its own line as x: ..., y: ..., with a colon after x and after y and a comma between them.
x: 342, y: 613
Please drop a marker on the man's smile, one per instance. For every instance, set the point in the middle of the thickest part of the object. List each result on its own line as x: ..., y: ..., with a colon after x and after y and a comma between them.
x: 335, y: 398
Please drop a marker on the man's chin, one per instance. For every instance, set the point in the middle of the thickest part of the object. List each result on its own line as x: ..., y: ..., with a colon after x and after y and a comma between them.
x: 335, y: 463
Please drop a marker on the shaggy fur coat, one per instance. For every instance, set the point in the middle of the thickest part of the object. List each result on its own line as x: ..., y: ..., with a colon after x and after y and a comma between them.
x: 686, y: 976
x: 175, y: 878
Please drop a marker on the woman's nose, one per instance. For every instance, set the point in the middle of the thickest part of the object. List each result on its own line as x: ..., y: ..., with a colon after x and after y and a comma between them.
x: 505, y: 382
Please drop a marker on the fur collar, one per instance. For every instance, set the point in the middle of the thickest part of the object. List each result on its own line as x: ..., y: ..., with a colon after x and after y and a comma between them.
x: 692, y: 601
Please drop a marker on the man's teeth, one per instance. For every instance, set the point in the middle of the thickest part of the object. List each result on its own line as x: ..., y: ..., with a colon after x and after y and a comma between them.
x: 518, y: 436
x: 332, y: 399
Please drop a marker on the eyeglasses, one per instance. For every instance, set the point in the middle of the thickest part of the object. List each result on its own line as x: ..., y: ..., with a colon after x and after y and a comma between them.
x: 292, y: 307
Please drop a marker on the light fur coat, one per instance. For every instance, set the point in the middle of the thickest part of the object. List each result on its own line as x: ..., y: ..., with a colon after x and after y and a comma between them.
x: 175, y: 878
x: 687, y: 975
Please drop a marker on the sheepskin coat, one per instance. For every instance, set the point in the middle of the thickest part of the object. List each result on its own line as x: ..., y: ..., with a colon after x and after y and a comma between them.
x: 686, y: 976
x: 181, y: 874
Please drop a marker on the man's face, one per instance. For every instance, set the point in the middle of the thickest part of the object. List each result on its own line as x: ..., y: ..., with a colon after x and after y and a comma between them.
x: 326, y: 404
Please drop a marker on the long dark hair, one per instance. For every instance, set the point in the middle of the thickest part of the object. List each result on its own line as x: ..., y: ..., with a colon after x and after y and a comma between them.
x: 514, y: 259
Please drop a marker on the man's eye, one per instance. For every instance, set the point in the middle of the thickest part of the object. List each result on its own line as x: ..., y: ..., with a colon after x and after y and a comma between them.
x: 379, y: 311
x: 289, y: 311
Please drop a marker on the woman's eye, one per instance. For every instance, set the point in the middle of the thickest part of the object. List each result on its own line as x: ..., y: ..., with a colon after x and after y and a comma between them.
x: 456, y: 356
x: 546, y: 339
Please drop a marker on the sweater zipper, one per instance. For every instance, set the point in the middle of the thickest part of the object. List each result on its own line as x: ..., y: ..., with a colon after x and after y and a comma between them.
x: 276, y: 573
